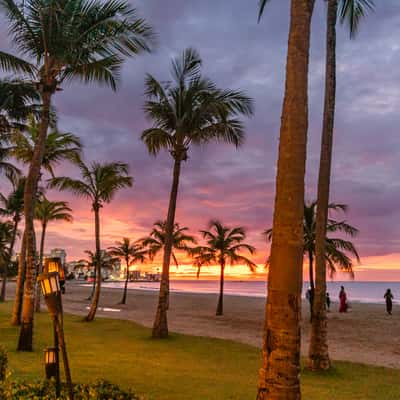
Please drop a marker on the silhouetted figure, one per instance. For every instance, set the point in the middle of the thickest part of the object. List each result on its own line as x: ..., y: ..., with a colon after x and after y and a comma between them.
x: 328, y: 302
x: 310, y: 298
x: 389, y: 301
x: 342, y: 300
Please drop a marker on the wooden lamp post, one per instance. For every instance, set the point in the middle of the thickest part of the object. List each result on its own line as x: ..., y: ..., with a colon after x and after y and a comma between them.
x: 50, y: 285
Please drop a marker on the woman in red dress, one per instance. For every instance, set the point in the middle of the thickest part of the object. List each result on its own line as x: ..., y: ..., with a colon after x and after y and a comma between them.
x: 342, y: 300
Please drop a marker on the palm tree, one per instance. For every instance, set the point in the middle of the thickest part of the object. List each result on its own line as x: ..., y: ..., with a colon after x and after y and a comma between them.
x: 280, y: 372
x: 335, y: 248
x: 106, y: 261
x: 13, y: 206
x: 155, y: 242
x: 223, y: 246
x: 131, y: 253
x: 350, y: 11
x: 189, y: 110
x: 67, y: 39
x: 99, y: 184
x: 47, y: 211
x: 58, y: 146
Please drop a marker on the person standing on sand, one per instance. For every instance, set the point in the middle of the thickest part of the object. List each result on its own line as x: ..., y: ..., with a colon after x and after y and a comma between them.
x: 389, y: 303
x: 328, y: 302
x: 342, y: 300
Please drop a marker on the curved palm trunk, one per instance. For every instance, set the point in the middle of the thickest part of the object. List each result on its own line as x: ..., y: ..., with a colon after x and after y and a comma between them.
x: 318, y: 352
x: 312, y: 285
x: 25, y: 342
x: 160, y: 326
x: 220, y: 306
x: 96, y: 297
x: 280, y: 372
x: 123, y: 301
x: 19, y: 287
x: 40, y: 267
x: 8, y: 260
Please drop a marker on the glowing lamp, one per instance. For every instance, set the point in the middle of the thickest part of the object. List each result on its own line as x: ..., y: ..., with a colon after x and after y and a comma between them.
x: 50, y: 362
x: 53, y: 264
x: 50, y: 285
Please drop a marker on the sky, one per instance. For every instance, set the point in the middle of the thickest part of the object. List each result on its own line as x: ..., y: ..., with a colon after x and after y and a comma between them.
x: 237, y: 186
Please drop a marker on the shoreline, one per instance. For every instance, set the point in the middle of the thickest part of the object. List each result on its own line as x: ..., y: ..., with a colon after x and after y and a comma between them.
x: 355, y: 300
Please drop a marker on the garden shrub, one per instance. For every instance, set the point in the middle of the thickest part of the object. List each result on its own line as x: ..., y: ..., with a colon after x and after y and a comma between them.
x: 45, y: 390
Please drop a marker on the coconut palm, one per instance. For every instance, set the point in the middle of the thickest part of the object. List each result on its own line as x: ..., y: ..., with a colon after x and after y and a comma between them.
x: 280, y: 371
x: 189, y: 110
x: 12, y: 207
x: 335, y: 248
x: 350, y: 12
x: 68, y: 40
x: 132, y: 253
x: 224, y: 245
x: 155, y: 242
x: 99, y: 184
x: 59, y: 146
x: 47, y: 211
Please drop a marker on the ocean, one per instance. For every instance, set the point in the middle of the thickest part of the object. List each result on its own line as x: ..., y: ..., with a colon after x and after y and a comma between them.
x: 363, y: 292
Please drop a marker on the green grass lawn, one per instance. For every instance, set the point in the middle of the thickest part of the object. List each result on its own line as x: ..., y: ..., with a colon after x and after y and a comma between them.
x: 182, y: 367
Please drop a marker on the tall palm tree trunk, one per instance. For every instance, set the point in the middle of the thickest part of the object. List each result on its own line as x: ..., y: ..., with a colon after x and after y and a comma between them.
x: 318, y: 352
x: 123, y: 301
x: 96, y: 297
x: 280, y: 372
x: 25, y: 342
x: 8, y: 259
x: 220, y: 306
x: 19, y: 287
x: 40, y: 267
x: 160, y: 326
x: 312, y: 285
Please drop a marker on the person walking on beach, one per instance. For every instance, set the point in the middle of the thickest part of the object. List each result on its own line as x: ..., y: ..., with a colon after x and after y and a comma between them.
x: 342, y: 300
x: 389, y: 301
x: 328, y: 302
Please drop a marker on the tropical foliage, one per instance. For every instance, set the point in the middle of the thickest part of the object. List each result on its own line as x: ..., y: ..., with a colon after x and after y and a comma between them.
x: 132, y: 253
x: 224, y: 246
x: 99, y: 184
x: 188, y: 110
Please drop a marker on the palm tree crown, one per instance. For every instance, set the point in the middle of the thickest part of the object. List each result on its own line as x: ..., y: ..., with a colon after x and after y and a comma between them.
x: 224, y: 245
x: 46, y: 211
x: 6, y: 229
x: 71, y: 39
x: 99, y: 183
x: 336, y: 248
x: 191, y: 109
x: 130, y: 251
x: 18, y: 99
x: 155, y: 242
x: 58, y: 146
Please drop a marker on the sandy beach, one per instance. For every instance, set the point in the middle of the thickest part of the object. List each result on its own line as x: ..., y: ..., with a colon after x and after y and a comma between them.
x: 365, y: 334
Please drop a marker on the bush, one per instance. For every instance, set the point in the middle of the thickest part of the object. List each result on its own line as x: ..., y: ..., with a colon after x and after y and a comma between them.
x: 45, y: 390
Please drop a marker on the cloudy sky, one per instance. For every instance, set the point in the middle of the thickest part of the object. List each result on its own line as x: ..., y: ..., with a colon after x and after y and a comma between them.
x: 237, y: 186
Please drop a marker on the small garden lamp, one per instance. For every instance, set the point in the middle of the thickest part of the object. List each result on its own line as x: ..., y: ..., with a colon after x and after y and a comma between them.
x: 50, y: 285
x: 50, y: 362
